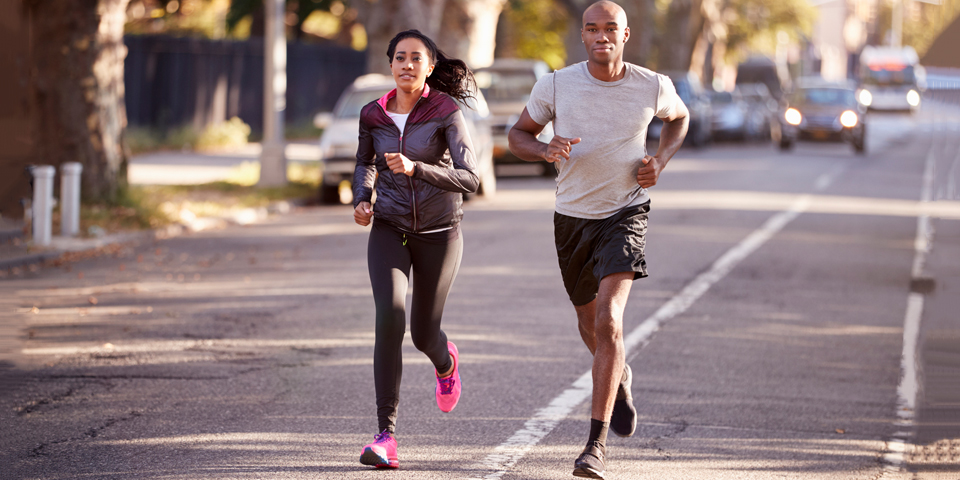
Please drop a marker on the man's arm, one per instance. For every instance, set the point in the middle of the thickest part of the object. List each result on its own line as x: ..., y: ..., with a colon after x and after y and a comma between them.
x: 671, y: 138
x: 524, y: 144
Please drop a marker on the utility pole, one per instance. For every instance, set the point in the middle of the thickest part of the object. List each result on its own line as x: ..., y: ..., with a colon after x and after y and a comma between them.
x: 896, y: 27
x: 273, y: 163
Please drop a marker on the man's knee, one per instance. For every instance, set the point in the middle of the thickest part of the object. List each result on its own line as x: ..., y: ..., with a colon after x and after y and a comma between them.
x: 608, y: 328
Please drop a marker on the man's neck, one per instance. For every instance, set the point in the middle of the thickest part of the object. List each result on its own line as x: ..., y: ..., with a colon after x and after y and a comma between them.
x: 607, y: 72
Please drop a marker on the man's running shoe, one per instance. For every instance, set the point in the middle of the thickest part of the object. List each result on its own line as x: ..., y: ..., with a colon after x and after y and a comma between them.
x: 623, y: 421
x: 382, y: 453
x: 590, y: 463
x: 448, y: 389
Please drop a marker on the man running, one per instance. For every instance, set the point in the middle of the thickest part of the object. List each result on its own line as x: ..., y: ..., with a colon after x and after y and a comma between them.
x: 600, y: 111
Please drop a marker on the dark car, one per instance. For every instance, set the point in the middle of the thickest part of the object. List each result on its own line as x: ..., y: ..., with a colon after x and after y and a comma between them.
x: 697, y: 101
x: 823, y: 113
x: 506, y: 84
x: 729, y: 116
x: 762, y: 111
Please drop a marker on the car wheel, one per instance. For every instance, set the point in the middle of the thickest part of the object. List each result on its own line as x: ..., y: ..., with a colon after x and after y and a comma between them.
x: 786, y: 145
x: 860, y: 146
x: 329, y: 194
x: 549, y: 170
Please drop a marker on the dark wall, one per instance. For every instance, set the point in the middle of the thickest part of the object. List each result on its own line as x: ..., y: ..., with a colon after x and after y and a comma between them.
x: 174, y: 81
x: 943, y: 51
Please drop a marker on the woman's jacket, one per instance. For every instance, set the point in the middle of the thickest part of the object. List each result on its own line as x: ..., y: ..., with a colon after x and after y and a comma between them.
x: 436, y: 139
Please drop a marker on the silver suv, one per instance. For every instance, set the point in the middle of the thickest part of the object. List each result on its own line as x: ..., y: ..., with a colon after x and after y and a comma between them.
x: 341, y: 129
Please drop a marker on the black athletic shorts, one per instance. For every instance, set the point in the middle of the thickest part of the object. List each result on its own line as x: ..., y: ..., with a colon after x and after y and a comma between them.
x: 589, y: 250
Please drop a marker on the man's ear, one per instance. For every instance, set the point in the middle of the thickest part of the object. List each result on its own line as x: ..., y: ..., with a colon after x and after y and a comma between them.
x: 626, y: 34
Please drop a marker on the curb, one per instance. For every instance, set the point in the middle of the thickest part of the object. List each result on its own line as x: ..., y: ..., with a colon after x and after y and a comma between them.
x: 61, y: 245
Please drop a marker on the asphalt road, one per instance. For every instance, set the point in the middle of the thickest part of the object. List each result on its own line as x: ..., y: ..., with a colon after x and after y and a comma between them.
x: 767, y: 342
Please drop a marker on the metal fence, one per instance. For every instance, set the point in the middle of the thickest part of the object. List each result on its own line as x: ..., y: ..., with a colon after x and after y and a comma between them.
x: 173, y: 81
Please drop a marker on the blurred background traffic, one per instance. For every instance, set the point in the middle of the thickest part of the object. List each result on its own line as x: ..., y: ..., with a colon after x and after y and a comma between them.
x: 112, y: 82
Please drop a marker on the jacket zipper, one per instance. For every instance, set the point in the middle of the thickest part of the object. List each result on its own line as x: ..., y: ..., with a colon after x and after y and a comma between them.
x: 413, y: 189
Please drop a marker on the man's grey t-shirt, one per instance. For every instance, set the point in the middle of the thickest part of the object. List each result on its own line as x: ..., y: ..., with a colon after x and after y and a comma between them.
x: 611, y: 120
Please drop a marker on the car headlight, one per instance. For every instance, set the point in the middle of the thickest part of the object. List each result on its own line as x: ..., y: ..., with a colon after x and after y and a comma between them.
x: 865, y: 97
x: 849, y: 119
x: 792, y: 116
x: 913, y: 98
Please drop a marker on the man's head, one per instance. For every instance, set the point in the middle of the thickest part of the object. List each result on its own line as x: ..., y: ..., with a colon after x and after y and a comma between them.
x: 604, y: 31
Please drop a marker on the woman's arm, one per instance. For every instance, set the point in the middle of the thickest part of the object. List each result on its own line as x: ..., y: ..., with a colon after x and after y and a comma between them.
x: 366, y: 171
x: 463, y: 176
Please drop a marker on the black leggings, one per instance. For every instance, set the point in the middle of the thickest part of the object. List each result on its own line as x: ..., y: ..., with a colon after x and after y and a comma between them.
x: 390, y: 256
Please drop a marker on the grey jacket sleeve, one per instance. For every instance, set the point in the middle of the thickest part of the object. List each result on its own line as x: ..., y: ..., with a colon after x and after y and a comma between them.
x: 366, y: 171
x: 463, y: 176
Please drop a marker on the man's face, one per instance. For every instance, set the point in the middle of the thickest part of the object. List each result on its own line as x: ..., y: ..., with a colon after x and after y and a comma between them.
x: 604, y: 33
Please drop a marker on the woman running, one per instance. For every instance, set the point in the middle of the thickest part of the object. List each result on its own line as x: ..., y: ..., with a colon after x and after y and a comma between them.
x: 415, y: 148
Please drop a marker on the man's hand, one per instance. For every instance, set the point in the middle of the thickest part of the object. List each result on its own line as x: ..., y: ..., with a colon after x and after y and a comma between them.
x: 400, y: 164
x: 649, y: 172
x: 559, y: 148
x: 362, y: 214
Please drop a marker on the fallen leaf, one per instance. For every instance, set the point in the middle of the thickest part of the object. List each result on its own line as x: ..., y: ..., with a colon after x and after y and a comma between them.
x: 140, y: 258
x: 92, y: 300
x: 840, y: 430
x: 122, y: 267
x: 80, y: 275
x: 34, y: 310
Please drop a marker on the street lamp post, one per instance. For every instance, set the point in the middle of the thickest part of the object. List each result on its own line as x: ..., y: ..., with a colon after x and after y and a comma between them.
x: 273, y: 163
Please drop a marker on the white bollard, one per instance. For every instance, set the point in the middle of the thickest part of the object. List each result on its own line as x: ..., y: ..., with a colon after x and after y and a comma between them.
x: 70, y: 198
x: 42, y: 203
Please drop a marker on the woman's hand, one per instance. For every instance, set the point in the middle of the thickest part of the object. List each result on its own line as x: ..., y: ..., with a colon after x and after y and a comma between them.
x: 400, y: 164
x: 362, y: 214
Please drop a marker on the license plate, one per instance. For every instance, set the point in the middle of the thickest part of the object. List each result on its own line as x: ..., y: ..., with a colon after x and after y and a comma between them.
x: 820, y: 135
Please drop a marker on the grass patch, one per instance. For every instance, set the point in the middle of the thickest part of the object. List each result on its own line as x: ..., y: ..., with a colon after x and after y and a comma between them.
x: 140, y: 207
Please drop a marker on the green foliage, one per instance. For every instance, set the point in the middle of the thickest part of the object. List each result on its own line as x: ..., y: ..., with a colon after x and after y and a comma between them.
x: 240, y: 9
x: 753, y: 25
x: 230, y: 134
x: 534, y: 29
x: 177, y: 17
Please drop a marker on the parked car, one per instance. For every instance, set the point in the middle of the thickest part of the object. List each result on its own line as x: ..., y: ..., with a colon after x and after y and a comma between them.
x: 694, y: 96
x: 823, y: 112
x: 728, y: 116
x: 506, y: 84
x: 762, y: 109
x: 341, y: 129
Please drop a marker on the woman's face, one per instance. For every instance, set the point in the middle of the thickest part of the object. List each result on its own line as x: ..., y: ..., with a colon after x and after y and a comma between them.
x: 411, y: 64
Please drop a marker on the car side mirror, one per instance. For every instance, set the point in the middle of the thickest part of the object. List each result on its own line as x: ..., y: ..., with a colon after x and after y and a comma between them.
x: 323, y: 120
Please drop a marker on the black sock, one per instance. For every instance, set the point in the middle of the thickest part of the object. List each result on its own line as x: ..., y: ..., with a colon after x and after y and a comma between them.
x: 598, y: 433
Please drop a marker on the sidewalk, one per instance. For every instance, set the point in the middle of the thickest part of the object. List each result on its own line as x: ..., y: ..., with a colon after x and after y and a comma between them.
x: 158, y: 168
x: 191, y: 168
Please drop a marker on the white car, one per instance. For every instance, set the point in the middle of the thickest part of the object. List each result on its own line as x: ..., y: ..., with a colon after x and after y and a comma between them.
x: 341, y: 129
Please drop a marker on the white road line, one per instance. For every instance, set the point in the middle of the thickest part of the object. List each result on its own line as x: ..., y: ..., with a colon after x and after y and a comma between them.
x: 909, y: 385
x: 508, y: 453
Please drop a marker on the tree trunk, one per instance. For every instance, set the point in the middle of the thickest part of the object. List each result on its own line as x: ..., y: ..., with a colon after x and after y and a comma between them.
x: 470, y: 30
x: 683, y: 25
x: 77, y: 75
x: 385, y: 18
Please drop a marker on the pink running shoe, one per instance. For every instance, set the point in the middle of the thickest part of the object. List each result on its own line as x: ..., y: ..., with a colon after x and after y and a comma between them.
x: 382, y: 453
x: 448, y: 389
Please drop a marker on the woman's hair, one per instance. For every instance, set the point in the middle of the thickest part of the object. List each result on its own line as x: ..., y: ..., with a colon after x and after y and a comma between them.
x: 450, y: 75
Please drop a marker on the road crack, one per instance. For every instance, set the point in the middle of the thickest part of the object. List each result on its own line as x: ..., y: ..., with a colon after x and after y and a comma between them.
x: 41, y: 450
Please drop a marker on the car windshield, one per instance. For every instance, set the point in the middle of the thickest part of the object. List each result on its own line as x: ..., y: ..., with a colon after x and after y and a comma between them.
x: 892, y: 75
x: 721, y: 98
x: 826, y: 96
x: 506, y: 86
x: 351, y: 106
